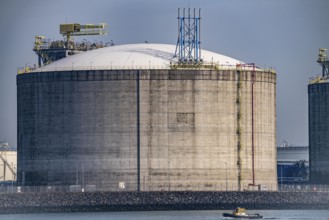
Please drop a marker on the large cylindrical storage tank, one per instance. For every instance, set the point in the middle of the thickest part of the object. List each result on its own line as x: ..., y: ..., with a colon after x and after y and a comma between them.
x: 318, y: 104
x: 126, y: 118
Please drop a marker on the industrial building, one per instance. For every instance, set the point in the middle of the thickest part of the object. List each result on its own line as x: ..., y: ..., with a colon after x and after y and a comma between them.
x: 292, y: 164
x: 142, y: 117
x: 8, y: 162
x: 318, y: 104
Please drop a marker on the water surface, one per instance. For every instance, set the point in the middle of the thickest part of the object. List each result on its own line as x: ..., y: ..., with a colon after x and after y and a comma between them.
x: 169, y: 215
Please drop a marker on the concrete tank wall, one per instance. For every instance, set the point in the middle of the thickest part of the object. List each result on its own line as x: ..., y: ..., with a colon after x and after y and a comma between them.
x: 318, y: 103
x: 81, y: 127
x: 76, y: 128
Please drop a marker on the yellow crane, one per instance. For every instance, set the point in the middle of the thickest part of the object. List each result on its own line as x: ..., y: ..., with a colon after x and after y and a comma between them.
x: 68, y: 30
x: 49, y: 51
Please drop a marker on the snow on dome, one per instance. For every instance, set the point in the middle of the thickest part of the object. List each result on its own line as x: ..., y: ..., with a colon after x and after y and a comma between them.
x: 130, y: 56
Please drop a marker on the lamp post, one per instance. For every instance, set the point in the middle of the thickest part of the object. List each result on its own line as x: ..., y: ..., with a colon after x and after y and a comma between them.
x: 169, y: 175
x: 12, y: 180
x: 83, y: 176
x: 281, y: 176
x: 77, y: 174
x: 2, y: 177
x: 226, y: 174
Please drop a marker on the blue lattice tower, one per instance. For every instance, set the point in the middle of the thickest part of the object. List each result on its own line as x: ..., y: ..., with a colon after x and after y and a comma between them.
x: 188, y: 48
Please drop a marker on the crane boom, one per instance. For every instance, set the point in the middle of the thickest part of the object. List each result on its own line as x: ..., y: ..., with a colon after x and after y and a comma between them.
x: 69, y: 30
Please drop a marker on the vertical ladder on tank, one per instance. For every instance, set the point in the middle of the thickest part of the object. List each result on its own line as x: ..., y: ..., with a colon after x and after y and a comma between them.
x: 238, y: 129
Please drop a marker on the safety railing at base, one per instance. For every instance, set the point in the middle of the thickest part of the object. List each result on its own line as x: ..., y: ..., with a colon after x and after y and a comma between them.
x: 303, y: 188
x: 220, y: 187
x: 217, y: 187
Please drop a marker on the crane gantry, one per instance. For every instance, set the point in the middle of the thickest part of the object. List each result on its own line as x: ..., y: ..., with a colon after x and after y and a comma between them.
x: 49, y: 51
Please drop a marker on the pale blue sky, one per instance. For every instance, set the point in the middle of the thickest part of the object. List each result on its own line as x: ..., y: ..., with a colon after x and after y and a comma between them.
x: 285, y: 35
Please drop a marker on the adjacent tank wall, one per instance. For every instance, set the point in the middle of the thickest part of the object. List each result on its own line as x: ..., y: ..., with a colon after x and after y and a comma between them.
x: 81, y: 127
x: 318, y: 99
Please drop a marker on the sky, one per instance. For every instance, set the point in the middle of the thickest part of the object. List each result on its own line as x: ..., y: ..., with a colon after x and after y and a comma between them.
x: 284, y: 35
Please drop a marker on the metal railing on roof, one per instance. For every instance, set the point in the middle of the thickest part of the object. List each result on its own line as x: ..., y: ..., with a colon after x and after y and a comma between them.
x: 72, y: 67
x: 318, y: 79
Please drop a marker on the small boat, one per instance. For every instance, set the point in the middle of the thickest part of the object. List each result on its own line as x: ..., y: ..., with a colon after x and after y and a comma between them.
x: 242, y: 213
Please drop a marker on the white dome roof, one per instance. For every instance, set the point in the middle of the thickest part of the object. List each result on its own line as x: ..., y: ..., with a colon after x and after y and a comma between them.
x: 130, y: 56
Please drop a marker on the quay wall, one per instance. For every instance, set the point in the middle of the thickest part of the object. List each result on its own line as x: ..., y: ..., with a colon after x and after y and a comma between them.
x: 151, y: 201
